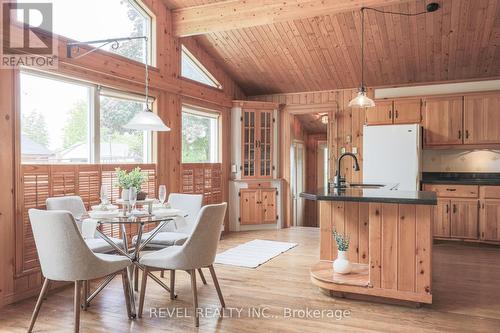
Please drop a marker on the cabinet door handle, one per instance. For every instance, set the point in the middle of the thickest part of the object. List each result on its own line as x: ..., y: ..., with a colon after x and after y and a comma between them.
x: 451, y: 189
x: 454, y: 208
x: 459, y: 134
x: 447, y: 209
x: 397, y: 114
x: 390, y: 114
x: 466, y: 134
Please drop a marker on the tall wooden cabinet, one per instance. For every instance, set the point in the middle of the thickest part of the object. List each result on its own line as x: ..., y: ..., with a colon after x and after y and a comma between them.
x: 255, y: 188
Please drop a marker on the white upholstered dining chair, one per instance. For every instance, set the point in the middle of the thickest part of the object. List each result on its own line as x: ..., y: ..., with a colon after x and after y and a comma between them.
x: 197, y: 252
x: 64, y: 256
x: 74, y: 204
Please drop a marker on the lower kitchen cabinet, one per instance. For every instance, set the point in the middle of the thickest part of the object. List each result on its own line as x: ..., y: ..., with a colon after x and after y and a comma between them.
x: 442, y: 218
x: 258, y: 206
x: 490, y: 220
x: 464, y: 219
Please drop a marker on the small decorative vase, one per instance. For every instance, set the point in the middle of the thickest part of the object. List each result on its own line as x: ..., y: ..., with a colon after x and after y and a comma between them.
x: 125, y: 193
x: 341, y: 265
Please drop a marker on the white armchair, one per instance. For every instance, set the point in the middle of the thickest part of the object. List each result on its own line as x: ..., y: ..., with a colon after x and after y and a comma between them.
x: 64, y: 256
x: 197, y: 252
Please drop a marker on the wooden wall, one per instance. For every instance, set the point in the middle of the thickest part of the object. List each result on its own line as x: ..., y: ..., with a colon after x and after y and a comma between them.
x: 345, y: 130
x: 120, y: 73
x: 311, y: 181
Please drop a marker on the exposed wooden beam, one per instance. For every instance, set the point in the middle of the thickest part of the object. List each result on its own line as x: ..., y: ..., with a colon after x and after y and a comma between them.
x: 236, y: 14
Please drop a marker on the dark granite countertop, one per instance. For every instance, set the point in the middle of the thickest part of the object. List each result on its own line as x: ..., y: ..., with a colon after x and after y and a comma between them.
x: 463, y: 178
x: 382, y: 195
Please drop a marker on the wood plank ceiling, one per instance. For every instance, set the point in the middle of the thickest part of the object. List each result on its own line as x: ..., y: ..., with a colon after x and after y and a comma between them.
x: 460, y: 41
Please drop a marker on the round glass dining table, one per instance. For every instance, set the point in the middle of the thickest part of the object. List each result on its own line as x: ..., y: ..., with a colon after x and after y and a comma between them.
x: 132, y: 252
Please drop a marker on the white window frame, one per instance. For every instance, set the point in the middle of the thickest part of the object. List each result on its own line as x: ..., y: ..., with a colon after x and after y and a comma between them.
x: 216, y: 83
x: 94, y: 130
x: 216, y: 127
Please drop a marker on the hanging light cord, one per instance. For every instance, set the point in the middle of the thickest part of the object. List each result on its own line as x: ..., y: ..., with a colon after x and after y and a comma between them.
x: 363, y: 33
x: 147, y: 72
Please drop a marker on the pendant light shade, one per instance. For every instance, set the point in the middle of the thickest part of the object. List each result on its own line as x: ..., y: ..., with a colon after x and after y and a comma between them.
x: 361, y: 100
x: 147, y: 120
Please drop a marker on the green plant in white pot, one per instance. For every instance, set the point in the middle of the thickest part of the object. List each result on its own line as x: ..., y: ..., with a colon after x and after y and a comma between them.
x: 341, y: 264
x: 132, y: 179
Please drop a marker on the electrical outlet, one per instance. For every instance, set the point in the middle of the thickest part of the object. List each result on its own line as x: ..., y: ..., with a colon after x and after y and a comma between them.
x: 342, y: 150
x: 354, y: 150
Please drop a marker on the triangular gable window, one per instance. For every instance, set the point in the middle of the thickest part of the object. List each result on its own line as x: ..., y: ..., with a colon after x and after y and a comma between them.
x: 191, y: 68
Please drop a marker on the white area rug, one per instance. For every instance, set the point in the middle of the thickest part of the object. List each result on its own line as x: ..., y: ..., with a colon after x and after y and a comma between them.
x: 254, y: 253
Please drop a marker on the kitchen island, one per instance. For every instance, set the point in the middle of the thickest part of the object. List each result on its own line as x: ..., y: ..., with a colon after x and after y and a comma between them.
x: 390, y: 242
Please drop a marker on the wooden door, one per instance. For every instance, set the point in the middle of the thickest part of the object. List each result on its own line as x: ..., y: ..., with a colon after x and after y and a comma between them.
x: 443, y: 124
x: 268, y: 205
x: 407, y: 111
x: 482, y: 119
x: 381, y: 114
x: 464, y: 218
x: 248, y: 141
x: 265, y: 144
x: 490, y: 220
x: 442, y: 218
x: 249, y: 207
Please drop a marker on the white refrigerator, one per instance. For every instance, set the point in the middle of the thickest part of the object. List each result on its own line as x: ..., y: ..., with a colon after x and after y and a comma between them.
x: 391, y: 154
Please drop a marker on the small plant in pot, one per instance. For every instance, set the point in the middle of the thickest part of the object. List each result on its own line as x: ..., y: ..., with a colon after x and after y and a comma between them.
x: 134, y: 178
x: 341, y: 264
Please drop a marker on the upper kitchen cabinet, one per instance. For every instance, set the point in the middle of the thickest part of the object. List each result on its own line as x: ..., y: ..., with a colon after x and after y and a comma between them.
x: 443, y: 121
x: 255, y: 127
x: 388, y: 112
x: 482, y: 119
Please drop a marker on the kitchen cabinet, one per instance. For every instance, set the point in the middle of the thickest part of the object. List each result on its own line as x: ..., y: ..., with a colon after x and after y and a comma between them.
x: 380, y: 114
x: 258, y: 206
x: 388, y: 112
x: 482, y: 119
x: 442, y: 218
x: 443, y: 121
x: 490, y: 220
x: 464, y: 219
x: 257, y: 143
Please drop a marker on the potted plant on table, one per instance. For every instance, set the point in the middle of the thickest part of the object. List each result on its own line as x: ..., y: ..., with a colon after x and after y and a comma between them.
x: 127, y: 180
x: 341, y: 264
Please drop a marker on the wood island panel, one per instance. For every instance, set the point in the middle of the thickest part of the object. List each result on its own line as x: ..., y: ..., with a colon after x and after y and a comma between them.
x: 395, y: 240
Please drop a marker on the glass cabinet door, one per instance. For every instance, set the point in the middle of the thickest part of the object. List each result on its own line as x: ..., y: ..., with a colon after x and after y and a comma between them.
x: 249, y: 143
x: 265, y: 143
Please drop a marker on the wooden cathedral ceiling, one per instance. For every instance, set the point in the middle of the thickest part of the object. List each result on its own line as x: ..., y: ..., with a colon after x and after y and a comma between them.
x: 460, y: 41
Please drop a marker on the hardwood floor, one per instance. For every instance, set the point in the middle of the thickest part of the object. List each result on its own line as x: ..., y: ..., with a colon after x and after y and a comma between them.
x: 466, y: 297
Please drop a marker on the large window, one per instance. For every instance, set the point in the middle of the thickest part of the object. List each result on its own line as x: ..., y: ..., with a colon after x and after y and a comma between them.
x: 65, y: 121
x: 200, y: 136
x: 87, y: 20
x: 192, y: 69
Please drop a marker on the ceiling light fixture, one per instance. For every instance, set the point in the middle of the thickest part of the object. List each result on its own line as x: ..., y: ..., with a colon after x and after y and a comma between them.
x: 145, y: 120
x: 362, y: 100
x: 324, y: 119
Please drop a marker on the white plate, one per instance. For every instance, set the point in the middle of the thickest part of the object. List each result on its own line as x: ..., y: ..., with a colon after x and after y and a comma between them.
x: 104, y: 214
x: 108, y: 208
x: 167, y: 212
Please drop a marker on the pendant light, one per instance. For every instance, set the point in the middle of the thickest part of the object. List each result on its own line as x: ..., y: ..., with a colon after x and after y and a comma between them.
x: 362, y: 100
x: 147, y: 120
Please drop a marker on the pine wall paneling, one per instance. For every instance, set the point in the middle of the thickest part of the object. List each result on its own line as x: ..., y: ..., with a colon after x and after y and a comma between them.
x: 120, y: 73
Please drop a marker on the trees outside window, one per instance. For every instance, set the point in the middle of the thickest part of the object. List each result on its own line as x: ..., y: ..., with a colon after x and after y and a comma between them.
x: 200, y: 136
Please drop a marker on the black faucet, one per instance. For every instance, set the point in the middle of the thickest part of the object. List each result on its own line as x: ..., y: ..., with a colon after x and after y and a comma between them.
x: 338, y: 180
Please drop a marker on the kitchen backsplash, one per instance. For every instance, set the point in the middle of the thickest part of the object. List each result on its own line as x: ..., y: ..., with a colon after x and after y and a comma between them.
x: 437, y: 160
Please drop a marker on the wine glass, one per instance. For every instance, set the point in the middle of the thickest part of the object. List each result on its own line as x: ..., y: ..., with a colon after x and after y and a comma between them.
x: 162, y: 194
x: 132, y: 197
x: 104, y: 195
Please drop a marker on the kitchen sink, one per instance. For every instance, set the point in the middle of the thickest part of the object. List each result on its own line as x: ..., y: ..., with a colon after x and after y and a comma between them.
x: 359, y: 185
